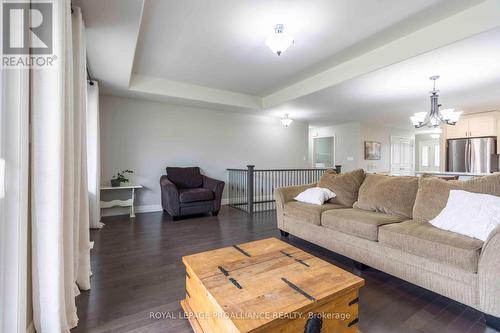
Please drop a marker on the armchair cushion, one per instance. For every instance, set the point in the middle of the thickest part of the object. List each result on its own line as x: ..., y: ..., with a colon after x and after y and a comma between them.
x: 195, y: 194
x: 185, y: 177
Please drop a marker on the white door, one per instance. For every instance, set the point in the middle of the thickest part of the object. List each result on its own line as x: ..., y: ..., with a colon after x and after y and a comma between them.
x: 429, y: 155
x: 402, y: 156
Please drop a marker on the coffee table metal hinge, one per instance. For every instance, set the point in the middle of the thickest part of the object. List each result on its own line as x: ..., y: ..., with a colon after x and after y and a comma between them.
x: 354, y: 322
x: 354, y: 301
x: 233, y: 281
x: 226, y: 273
x: 241, y: 250
x: 300, y: 261
x: 298, y: 289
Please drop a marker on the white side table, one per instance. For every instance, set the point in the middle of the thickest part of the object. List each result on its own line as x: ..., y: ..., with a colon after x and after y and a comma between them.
x: 121, y: 203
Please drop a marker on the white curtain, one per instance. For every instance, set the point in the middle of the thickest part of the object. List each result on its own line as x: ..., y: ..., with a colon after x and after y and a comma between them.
x: 59, y: 196
x: 93, y: 154
x: 14, y: 128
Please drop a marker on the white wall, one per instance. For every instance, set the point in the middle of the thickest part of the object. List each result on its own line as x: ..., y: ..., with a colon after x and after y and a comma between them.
x: 349, y: 144
x: 148, y: 136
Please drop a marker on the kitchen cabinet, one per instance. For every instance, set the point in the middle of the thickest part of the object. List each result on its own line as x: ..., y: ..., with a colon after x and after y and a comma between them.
x: 483, y: 126
x: 460, y: 130
x: 474, y: 126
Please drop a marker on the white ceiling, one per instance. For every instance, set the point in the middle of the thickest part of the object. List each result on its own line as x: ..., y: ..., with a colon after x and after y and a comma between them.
x: 470, y: 81
x: 352, y: 59
x: 219, y: 43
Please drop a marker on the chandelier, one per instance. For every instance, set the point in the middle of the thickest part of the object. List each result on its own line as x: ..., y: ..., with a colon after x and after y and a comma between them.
x: 279, y: 41
x: 286, y: 121
x: 435, y: 117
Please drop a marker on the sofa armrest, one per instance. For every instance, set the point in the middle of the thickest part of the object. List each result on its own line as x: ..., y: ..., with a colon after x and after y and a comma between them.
x: 169, y: 196
x: 284, y: 195
x: 489, y: 274
x: 216, y: 186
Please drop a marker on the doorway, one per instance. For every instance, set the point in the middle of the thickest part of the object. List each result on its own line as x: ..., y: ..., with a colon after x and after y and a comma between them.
x: 429, y: 155
x: 324, y: 152
x: 402, y: 152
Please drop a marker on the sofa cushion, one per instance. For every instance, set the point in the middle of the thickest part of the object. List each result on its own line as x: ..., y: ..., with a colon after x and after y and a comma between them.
x: 394, y: 195
x: 185, y: 177
x: 195, y: 194
x: 308, y: 213
x: 356, y: 222
x: 424, y: 240
x: 433, y: 193
x: 345, y: 186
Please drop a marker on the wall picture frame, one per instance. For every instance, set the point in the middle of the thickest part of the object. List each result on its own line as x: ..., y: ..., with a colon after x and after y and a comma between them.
x: 373, y: 150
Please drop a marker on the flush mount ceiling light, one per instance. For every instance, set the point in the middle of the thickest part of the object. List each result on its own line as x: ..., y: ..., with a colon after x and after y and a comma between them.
x: 286, y: 121
x: 279, y: 41
x: 435, y: 117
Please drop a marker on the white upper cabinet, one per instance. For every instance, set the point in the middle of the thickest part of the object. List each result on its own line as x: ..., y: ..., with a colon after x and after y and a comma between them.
x: 483, y: 126
x: 460, y: 130
x: 474, y: 126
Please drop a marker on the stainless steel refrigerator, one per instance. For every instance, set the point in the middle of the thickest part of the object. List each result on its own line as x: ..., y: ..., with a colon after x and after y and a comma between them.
x: 475, y: 155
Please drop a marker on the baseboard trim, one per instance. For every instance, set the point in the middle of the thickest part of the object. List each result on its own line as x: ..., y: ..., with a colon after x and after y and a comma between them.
x: 140, y: 209
x: 125, y: 210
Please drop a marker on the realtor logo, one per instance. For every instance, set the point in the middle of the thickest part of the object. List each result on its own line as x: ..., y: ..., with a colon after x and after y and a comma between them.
x: 27, y: 28
x: 27, y: 34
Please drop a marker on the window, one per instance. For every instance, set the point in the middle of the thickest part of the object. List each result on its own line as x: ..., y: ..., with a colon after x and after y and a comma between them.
x: 425, y: 156
x: 437, y: 156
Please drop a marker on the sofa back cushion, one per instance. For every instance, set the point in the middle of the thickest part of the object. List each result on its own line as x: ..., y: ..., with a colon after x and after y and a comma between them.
x: 394, y: 195
x: 433, y: 193
x: 345, y: 186
x: 185, y: 177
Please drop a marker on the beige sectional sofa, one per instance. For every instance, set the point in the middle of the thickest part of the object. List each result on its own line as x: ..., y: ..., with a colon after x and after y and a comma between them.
x: 387, y: 228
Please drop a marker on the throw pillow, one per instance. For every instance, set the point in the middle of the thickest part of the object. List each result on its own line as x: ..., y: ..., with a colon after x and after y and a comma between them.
x: 315, y: 195
x: 470, y: 214
x: 433, y: 193
x: 344, y: 185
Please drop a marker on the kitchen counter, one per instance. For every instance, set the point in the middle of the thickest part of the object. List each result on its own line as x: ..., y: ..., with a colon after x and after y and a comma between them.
x: 461, y: 175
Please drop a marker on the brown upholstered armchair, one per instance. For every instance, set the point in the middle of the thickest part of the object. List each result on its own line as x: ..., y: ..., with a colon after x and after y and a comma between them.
x: 185, y: 191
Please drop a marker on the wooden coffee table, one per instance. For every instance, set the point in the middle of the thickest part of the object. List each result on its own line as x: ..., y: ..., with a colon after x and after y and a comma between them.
x: 268, y: 286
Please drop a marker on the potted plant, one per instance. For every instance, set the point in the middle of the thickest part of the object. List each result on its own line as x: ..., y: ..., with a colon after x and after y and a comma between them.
x: 120, y: 178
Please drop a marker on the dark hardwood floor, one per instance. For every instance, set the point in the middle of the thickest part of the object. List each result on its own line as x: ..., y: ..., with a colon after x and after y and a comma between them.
x: 138, y: 278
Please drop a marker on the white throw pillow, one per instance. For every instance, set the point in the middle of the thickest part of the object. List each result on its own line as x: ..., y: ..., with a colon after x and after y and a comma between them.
x: 470, y: 214
x: 315, y: 195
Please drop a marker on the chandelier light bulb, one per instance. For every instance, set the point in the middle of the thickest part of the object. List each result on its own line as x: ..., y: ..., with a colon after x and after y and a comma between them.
x: 279, y: 41
x: 447, y: 114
